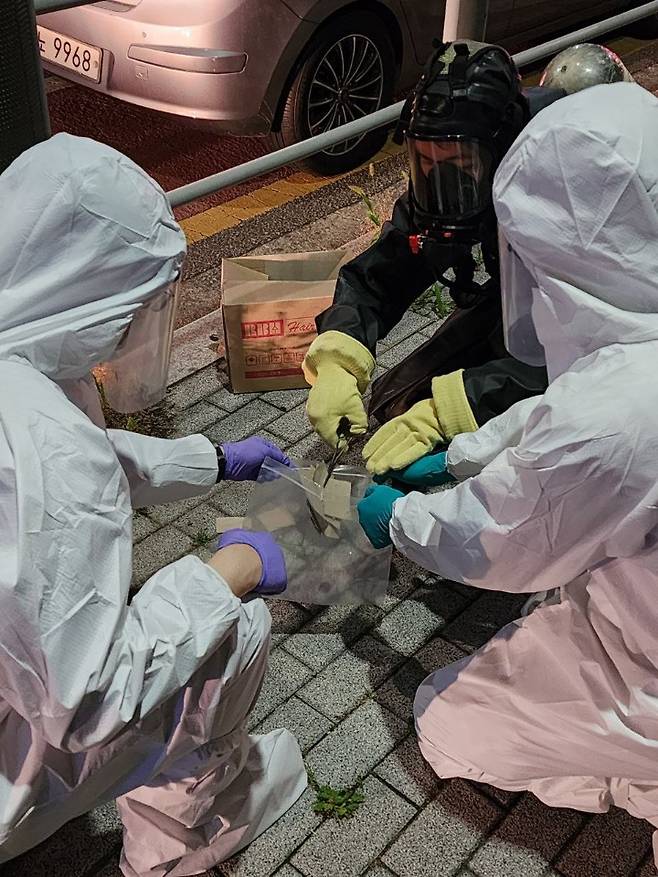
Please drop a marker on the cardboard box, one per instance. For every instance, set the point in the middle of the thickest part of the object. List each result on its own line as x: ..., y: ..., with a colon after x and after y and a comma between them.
x: 269, y: 306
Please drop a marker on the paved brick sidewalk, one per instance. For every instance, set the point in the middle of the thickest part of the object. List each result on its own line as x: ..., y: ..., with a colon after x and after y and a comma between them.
x: 343, y: 680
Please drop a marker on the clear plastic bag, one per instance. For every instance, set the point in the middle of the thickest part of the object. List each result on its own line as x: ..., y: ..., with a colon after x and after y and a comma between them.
x: 336, y: 565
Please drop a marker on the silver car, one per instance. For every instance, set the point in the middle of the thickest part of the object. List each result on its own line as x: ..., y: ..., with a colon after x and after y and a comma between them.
x: 285, y: 68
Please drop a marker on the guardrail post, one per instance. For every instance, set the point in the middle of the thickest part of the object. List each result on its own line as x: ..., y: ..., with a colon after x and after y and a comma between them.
x: 23, y: 108
x: 465, y: 20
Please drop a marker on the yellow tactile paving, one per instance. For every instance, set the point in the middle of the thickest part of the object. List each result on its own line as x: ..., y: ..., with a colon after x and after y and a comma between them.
x: 232, y: 213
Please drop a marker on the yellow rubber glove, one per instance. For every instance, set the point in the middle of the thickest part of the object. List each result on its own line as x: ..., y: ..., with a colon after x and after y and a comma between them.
x: 338, y: 368
x: 404, y: 439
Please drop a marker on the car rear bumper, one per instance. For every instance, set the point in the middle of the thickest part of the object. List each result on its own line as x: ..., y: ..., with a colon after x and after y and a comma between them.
x: 206, y: 65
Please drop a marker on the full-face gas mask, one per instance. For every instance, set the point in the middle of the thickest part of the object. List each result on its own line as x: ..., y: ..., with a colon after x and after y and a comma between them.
x: 464, y: 114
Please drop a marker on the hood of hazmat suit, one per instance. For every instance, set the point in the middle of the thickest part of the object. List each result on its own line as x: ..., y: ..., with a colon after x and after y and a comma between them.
x: 98, y: 696
x: 562, y: 491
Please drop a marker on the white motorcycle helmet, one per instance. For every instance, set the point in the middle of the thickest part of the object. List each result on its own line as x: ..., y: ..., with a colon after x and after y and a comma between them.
x: 582, y: 66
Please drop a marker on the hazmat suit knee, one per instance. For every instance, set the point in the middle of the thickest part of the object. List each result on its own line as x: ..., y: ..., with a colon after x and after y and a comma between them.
x: 146, y: 702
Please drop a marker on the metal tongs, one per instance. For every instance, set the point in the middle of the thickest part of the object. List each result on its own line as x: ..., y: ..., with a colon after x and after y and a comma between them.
x: 343, y: 432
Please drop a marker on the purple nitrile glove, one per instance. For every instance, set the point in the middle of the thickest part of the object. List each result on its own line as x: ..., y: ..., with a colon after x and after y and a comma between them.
x: 244, y: 459
x: 274, y: 579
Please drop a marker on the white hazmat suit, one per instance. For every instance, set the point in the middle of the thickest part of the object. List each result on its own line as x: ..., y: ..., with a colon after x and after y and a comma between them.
x: 146, y: 702
x: 562, y: 491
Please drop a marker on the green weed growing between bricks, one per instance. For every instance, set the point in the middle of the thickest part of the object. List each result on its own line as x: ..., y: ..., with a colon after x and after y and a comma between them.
x: 156, y: 421
x: 335, y: 803
x: 201, y: 538
x: 437, y: 295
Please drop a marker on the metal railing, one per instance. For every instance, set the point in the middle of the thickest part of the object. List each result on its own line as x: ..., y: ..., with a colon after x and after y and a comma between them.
x: 388, y: 115
x: 290, y: 154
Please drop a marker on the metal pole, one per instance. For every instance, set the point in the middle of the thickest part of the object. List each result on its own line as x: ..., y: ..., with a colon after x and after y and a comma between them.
x: 23, y: 109
x: 465, y: 20
x: 288, y: 155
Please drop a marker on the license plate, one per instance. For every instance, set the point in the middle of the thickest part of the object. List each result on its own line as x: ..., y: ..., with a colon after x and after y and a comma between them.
x: 70, y: 54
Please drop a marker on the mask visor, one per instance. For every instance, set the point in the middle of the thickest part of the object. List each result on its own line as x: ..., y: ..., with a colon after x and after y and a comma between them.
x: 136, y: 376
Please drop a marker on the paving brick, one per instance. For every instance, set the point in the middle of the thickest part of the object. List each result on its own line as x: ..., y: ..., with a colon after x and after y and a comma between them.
x: 378, y: 871
x: 229, y: 401
x: 169, y: 512
x: 271, y: 850
x: 613, y: 844
x: 284, y: 676
x: 401, y: 351
x: 312, y: 447
x: 275, y: 439
x: 345, y: 848
x: 196, y: 387
x: 408, y: 325
x: 287, y: 871
x: 330, y: 632
x: 196, y: 418
x: 285, y: 399
x: 414, y: 621
x: 407, y: 771
x: 233, y: 498
x: 347, y: 681
x: 205, y: 552
x: 245, y: 422
x: 483, y: 618
x: 404, y: 581
x: 443, y: 836
x: 355, y: 746
x: 527, y: 840
x: 307, y: 724
x: 291, y: 426
x: 142, y: 527
x: 399, y: 691
x: 156, y: 551
x: 74, y: 849
x: 286, y: 617
x: 200, y: 522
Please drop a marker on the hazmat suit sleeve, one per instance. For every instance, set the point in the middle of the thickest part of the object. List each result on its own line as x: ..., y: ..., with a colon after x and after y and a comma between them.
x: 374, y: 290
x: 533, y: 519
x: 470, y: 452
x: 164, y: 470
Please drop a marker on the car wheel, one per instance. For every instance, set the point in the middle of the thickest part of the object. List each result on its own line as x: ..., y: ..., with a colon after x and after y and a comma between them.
x: 348, y: 71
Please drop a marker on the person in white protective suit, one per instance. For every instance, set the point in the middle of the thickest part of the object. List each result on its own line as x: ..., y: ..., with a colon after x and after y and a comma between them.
x: 147, y: 702
x: 560, y: 491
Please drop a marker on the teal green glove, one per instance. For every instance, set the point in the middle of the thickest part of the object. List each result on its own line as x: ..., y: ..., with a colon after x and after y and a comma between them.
x: 375, y: 512
x: 430, y: 471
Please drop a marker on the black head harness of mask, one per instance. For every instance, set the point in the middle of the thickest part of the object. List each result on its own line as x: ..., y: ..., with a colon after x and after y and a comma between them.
x: 458, y: 123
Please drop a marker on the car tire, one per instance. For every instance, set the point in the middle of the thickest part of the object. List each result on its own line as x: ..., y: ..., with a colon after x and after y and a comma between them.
x: 347, y: 71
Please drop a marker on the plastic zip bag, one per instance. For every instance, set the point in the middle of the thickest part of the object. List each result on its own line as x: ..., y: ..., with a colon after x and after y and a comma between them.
x: 326, y: 566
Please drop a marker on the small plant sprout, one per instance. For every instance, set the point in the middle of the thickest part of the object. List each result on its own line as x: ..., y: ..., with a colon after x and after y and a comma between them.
x: 201, y: 538
x: 371, y: 210
x: 335, y: 803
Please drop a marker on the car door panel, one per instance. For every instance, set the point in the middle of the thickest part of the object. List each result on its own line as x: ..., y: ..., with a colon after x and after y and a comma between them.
x: 532, y: 18
x: 426, y: 17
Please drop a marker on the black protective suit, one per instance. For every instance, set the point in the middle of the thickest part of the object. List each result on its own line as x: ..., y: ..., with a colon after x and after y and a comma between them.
x: 374, y: 291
